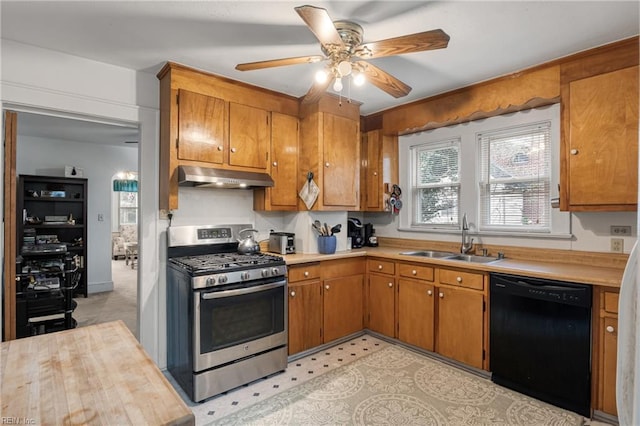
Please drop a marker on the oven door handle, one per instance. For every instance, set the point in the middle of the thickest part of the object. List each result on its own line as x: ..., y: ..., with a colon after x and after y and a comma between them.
x: 241, y: 291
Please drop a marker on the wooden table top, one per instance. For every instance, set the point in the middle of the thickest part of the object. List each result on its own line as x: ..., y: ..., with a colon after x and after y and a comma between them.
x: 90, y: 375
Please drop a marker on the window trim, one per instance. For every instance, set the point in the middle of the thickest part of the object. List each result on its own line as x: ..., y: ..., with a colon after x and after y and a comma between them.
x: 469, y: 171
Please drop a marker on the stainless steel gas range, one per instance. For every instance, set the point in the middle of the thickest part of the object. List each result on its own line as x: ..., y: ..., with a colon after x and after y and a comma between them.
x: 226, y: 312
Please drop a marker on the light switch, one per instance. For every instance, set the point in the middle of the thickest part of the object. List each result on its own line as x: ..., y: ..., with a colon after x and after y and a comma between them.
x: 100, y: 217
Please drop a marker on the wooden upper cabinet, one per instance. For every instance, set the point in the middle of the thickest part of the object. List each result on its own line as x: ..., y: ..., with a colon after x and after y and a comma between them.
x: 249, y: 136
x: 201, y: 124
x: 602, y: 151
x: 283, y: 167
x: 340, y: 154
x: 379, y: 169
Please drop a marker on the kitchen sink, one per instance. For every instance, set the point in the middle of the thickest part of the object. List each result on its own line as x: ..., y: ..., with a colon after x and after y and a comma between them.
x: 472, y: 258
x: 429, y: 253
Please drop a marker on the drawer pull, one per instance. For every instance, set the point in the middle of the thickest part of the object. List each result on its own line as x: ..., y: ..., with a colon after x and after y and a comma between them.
x: 326, y: 287
x: 306, y: 273
x: 390, y: 285
x: 233, y: 150
x: 275, y: 164
x: 219, y: 147
x: 441, y: 295
x: 414, y: 272
x: 610, y: 329
x: 429, y: 292
x: 459, y: 279
x: 380, y: 267
x: 293, y: 294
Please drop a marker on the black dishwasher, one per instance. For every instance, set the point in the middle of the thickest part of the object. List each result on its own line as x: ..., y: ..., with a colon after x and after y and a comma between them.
x: 540, y: 339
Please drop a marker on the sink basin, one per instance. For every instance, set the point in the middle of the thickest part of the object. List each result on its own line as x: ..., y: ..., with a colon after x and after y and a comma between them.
x: 473, y: 258
x: 429, y: 253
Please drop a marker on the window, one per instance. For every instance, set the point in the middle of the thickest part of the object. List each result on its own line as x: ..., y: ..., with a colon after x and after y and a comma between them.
x: 501, y: 171
x: 515, y: 178
x: 128, y: 208
x: 436, y: 190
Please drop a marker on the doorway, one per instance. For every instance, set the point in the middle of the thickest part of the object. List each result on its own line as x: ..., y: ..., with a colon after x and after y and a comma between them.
x: 47, y: 144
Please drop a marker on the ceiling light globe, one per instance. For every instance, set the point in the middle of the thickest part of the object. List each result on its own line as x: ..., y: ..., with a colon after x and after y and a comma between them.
x: 344, y: 68
x: 358, y: 79
x: 321, y: 76
x: 337, y: 86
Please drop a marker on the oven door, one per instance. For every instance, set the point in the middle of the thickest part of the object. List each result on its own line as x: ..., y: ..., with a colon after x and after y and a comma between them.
x: 233, y: 324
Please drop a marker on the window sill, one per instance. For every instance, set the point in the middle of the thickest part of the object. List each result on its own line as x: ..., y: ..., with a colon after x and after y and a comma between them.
x: 556, y: 236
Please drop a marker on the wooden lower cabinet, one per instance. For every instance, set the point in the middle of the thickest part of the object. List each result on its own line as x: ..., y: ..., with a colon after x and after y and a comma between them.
x: 416, y: 309
x: 342, y: 301
x: 305, y: 315
x: 381, y: 303
x: 607, y: 349
x: 460, y: 322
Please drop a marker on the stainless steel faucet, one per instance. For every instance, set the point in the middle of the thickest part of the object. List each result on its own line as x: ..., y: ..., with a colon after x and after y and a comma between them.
x: 467, y: 243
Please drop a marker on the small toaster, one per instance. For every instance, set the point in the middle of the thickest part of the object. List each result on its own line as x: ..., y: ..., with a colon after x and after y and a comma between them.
x: 282, y: 242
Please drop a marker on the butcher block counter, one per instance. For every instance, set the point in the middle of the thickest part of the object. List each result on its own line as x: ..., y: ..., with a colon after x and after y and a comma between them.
x: 96, y: 375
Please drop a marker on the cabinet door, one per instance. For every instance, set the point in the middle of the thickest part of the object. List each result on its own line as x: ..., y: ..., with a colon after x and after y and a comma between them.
x: 342, y: 307
x: 415, y: 313
x: 460, y: 325
x: 341, y: 172
x: 603, y: 139
x: 609, y: 362
x: 249, y: 136
x: 201, y: 124
x: 284, y: 160
x: 382, y: 304
x: 372, y: 175
x: 305, y: 316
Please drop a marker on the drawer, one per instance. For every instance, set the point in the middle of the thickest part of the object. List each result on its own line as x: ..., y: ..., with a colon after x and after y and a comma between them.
x: 381, y: 266
x: 611, y: 302
x: 342, y: 268
x: 307, y: 271
x: 412, y: 270
x: 462, y: 279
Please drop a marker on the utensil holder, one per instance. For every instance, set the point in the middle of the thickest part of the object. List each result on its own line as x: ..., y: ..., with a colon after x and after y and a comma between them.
x: 327, y: 244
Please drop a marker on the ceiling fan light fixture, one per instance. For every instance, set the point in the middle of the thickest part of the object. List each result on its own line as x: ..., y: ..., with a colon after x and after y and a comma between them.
x: 358, y: 78
x: 321, y: 76
x: 344, y: 68
x: 337, y: 86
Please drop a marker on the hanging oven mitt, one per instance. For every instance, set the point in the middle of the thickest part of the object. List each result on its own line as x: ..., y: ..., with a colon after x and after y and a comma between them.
x: 309, y: 192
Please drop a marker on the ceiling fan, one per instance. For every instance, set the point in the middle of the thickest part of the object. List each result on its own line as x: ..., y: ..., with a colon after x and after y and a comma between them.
x: 341, y: 43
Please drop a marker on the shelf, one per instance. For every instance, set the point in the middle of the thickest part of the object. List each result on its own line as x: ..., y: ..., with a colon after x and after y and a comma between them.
x: 56, y: 199
x: 42, y: 226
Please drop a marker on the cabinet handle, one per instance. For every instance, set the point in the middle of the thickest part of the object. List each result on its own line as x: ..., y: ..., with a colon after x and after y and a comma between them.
x: 574, y: 152
x: 380, y: 267
x: 429, y: 292
x: 293, y: 294
x: 275, y: 164
x: 326, y: 287
x: 610, y: 329
x: 326, y: 164
x: 390, y: 285
x: 414, y: 272
x: 233, y: 150
x: 459, y: 279
x: 441, y: 295
x: 375, y: 173
x: 219, y: 147
x: 306, y: 273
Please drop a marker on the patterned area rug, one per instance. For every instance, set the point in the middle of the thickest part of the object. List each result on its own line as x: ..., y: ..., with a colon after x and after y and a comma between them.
x: 395, y: 386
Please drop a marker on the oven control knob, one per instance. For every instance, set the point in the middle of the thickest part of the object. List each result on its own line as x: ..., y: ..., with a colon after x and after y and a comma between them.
x: 211, y: 281
x: 244, y: 276
x: 222, y: 279
x: 275, y: 271
x: 264, y: 273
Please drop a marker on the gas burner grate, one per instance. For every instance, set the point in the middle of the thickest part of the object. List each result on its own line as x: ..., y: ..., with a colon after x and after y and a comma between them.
x: 226, y: 261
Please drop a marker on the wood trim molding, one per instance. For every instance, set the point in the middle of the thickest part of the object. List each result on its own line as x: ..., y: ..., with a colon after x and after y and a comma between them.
x: 10, y: 247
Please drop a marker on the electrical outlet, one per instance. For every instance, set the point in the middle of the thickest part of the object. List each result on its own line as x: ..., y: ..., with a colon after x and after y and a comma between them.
x: 617, y: 245
x: 100, y: 217
x: 620, y: 230
x: 164, y: 214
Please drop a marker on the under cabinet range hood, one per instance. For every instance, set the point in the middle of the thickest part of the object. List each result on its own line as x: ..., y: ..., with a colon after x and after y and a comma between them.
x: 205, y: 177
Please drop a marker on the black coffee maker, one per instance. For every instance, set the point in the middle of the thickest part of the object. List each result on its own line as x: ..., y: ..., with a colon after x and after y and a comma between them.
x: 354, y: 231
x: 370, y: 238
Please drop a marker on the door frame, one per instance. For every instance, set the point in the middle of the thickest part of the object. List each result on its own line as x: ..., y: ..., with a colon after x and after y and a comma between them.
x: 10, y: 222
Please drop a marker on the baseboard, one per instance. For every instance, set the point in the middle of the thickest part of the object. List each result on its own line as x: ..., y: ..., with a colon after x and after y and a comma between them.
x: 100, y: 287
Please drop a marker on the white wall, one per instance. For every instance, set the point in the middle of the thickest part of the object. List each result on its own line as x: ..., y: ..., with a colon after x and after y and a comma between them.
x: 48, y: 157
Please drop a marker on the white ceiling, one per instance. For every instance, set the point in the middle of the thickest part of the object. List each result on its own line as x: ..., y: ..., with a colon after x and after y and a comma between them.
x: 488, y: 39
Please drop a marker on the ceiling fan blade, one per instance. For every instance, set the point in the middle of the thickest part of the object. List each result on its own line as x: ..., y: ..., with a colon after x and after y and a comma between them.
x: 428, y: 40
x: 317, y: 90
x: 384, y: 81
x: 320, y: 24
x: 279, y: 62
